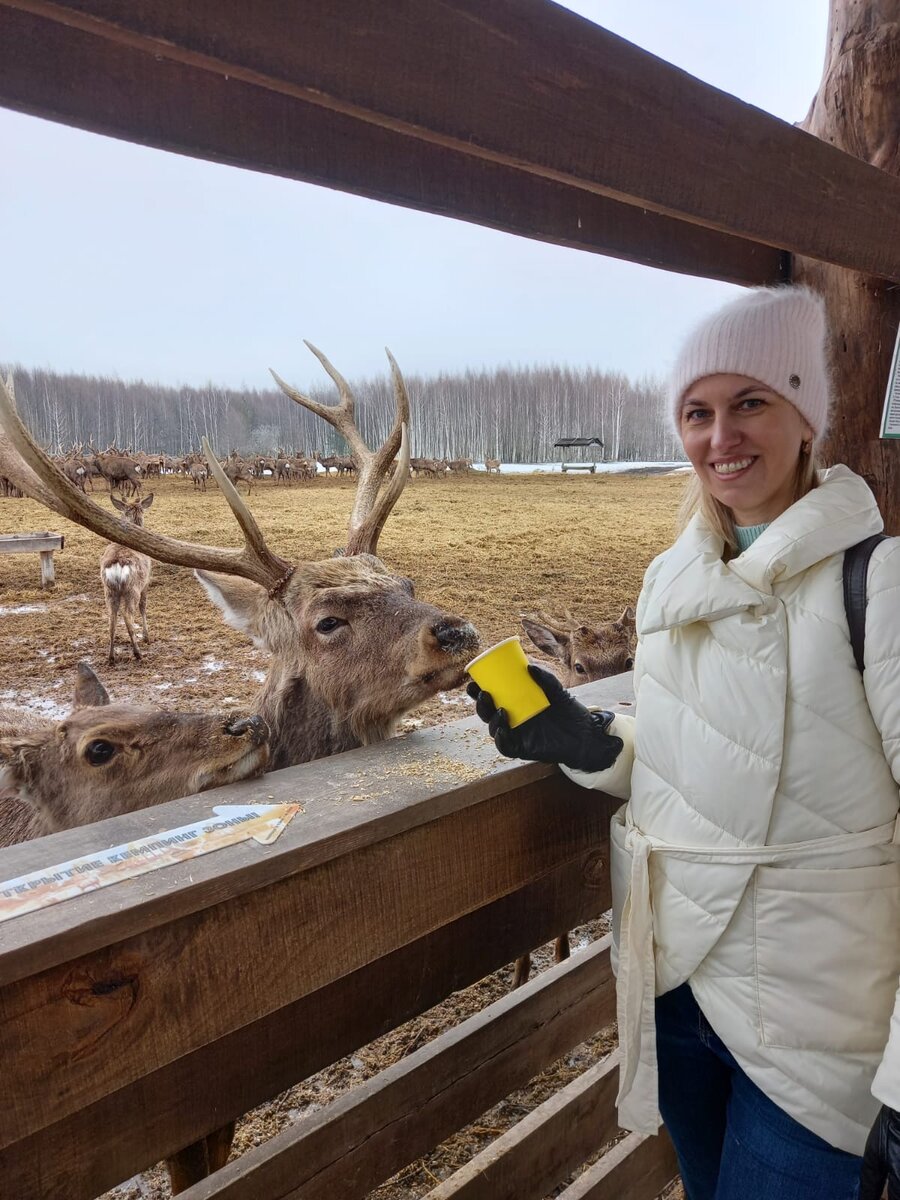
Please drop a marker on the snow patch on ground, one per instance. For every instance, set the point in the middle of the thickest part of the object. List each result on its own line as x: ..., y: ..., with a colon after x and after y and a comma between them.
x: 259, y: 676
x: 212, y: 665
x: 606, y: 468
x: 10, y: 610
x: 28, y: 702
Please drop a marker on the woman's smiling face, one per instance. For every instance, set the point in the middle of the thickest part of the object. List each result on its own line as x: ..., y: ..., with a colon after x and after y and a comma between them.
x: 744, y: 442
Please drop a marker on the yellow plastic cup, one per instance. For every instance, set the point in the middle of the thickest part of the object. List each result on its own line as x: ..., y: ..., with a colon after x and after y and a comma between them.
x: 503, y: 671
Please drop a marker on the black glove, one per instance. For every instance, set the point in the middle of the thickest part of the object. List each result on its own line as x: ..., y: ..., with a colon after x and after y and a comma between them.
x: 881, y: 1158
x: 566, y: 732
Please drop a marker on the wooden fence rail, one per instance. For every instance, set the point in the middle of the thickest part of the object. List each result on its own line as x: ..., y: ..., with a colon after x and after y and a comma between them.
x: 139, y: 1017
x: 512, y: 113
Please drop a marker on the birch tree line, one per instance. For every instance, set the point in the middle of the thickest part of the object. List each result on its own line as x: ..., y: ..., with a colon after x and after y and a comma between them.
x: 514, y: 414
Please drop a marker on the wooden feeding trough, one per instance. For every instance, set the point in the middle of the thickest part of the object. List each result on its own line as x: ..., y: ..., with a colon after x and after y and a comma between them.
x: 581, y: 443
x: 39, y: 543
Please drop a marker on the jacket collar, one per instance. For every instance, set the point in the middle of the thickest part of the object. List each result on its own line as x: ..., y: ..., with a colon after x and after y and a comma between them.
x: 694, y: 584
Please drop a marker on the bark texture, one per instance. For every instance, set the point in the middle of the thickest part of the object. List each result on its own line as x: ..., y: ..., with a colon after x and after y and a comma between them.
x: 857, y: 109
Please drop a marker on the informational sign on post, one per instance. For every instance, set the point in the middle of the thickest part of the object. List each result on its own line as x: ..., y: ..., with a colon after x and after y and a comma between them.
x: 232, y: 823
x: 890, y: 419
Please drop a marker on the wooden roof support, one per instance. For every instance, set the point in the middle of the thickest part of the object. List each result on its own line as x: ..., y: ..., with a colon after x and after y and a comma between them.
x: 857, y: 110
x: 515, y: 113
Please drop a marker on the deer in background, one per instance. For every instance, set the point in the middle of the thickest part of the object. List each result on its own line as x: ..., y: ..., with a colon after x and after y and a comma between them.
x: 119, y: 470
x: 236, y: 469
x: 585, y: 653
x: 353, y: 649
x: 492, y: 464
x: 125, y: 575
x: 106, y: 759
x: 199, y: 474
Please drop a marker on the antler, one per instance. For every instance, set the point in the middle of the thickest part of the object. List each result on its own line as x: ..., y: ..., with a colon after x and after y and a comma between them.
x: 564, y: 624
x: 369, y: 510
x: 30, y: 469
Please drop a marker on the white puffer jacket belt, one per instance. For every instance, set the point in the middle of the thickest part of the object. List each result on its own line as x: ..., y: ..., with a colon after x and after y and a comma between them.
x: 638, y: 1089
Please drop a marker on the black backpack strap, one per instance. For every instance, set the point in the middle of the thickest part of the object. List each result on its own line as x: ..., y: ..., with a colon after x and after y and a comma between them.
x: 856, y: 578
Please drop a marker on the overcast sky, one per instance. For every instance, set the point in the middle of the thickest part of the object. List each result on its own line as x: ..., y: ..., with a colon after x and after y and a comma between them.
x: 120, y: 260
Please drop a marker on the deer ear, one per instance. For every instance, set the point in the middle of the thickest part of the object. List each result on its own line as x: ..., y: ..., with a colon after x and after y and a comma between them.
x: 89, y: 691
x: 242, y: 602
x: 544, y: 639
x: 627, y: 617
x: 147, y: 500
x: 17, y: 755
x: 117, y: 503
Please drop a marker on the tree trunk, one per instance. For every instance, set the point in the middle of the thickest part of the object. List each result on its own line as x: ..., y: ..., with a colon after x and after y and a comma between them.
x: 857, y: 109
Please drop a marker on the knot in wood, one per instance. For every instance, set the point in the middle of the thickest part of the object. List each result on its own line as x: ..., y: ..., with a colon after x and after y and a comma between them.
x: 594, y: 869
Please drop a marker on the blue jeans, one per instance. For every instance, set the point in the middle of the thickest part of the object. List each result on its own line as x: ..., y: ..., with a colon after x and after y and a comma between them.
x: 732, y: 1141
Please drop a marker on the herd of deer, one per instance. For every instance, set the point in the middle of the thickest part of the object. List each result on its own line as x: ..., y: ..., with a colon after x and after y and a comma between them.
x: 126, y: 470
x: 352, y: 650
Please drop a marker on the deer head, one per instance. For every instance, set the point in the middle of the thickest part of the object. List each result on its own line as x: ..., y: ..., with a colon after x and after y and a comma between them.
x: 105, y: 759
x: 587, y: 652
x: 133, y: 512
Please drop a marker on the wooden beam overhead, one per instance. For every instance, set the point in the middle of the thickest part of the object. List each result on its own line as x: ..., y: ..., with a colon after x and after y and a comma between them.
x: 51, y: 70
x: 504, y: 93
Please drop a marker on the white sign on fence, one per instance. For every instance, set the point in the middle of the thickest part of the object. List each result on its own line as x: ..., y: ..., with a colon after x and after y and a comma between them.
x: 890, y: 420
x: 232, y: 823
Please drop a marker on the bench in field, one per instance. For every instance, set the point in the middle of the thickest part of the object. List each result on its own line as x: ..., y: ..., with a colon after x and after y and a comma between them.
x: 41, y: 543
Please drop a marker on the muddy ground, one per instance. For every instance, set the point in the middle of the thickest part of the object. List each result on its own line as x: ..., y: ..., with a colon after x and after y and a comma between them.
x: 490, y: 548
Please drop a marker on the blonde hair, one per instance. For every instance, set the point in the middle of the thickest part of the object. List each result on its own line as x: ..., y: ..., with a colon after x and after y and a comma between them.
x: 720, y: 519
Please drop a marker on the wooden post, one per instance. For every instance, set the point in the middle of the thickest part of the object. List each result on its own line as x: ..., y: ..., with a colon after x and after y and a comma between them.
x: 857, y: 109
x: 48, y: 576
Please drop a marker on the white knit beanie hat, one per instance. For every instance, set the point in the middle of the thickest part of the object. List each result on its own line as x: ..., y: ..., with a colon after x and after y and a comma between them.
x: 775, y: 335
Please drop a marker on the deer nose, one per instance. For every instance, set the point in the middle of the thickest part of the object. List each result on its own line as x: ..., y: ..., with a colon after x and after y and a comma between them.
x: 455, y: 635
x: 254, y: 727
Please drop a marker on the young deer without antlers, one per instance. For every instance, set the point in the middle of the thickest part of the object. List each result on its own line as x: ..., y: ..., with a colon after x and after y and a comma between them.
x: 125, y: 575
x: 106, y: 759
x: 586, y: 653
x: 353, y: 649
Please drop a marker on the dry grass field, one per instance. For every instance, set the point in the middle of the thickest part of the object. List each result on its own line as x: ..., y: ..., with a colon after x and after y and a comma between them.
x: 488, y: 548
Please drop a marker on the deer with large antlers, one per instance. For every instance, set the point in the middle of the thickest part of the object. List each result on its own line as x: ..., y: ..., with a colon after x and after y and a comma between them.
x: 105, y: 759
x: 353, y: 648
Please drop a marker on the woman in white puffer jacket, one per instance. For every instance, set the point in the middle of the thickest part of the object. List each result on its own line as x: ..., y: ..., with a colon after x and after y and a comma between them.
x: 756, y: 865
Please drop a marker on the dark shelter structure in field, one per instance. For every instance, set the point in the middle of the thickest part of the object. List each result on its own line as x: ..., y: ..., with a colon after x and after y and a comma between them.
x: 583, y: 462
x: 524, y: 117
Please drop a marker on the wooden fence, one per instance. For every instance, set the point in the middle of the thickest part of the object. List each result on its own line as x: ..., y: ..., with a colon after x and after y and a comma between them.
x: 136, y: 1018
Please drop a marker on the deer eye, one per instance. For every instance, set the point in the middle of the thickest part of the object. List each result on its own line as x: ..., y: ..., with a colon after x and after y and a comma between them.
x: 99, y: 752
x: 629, y: 663
x: 327, y: 624
x: 579, y: 669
